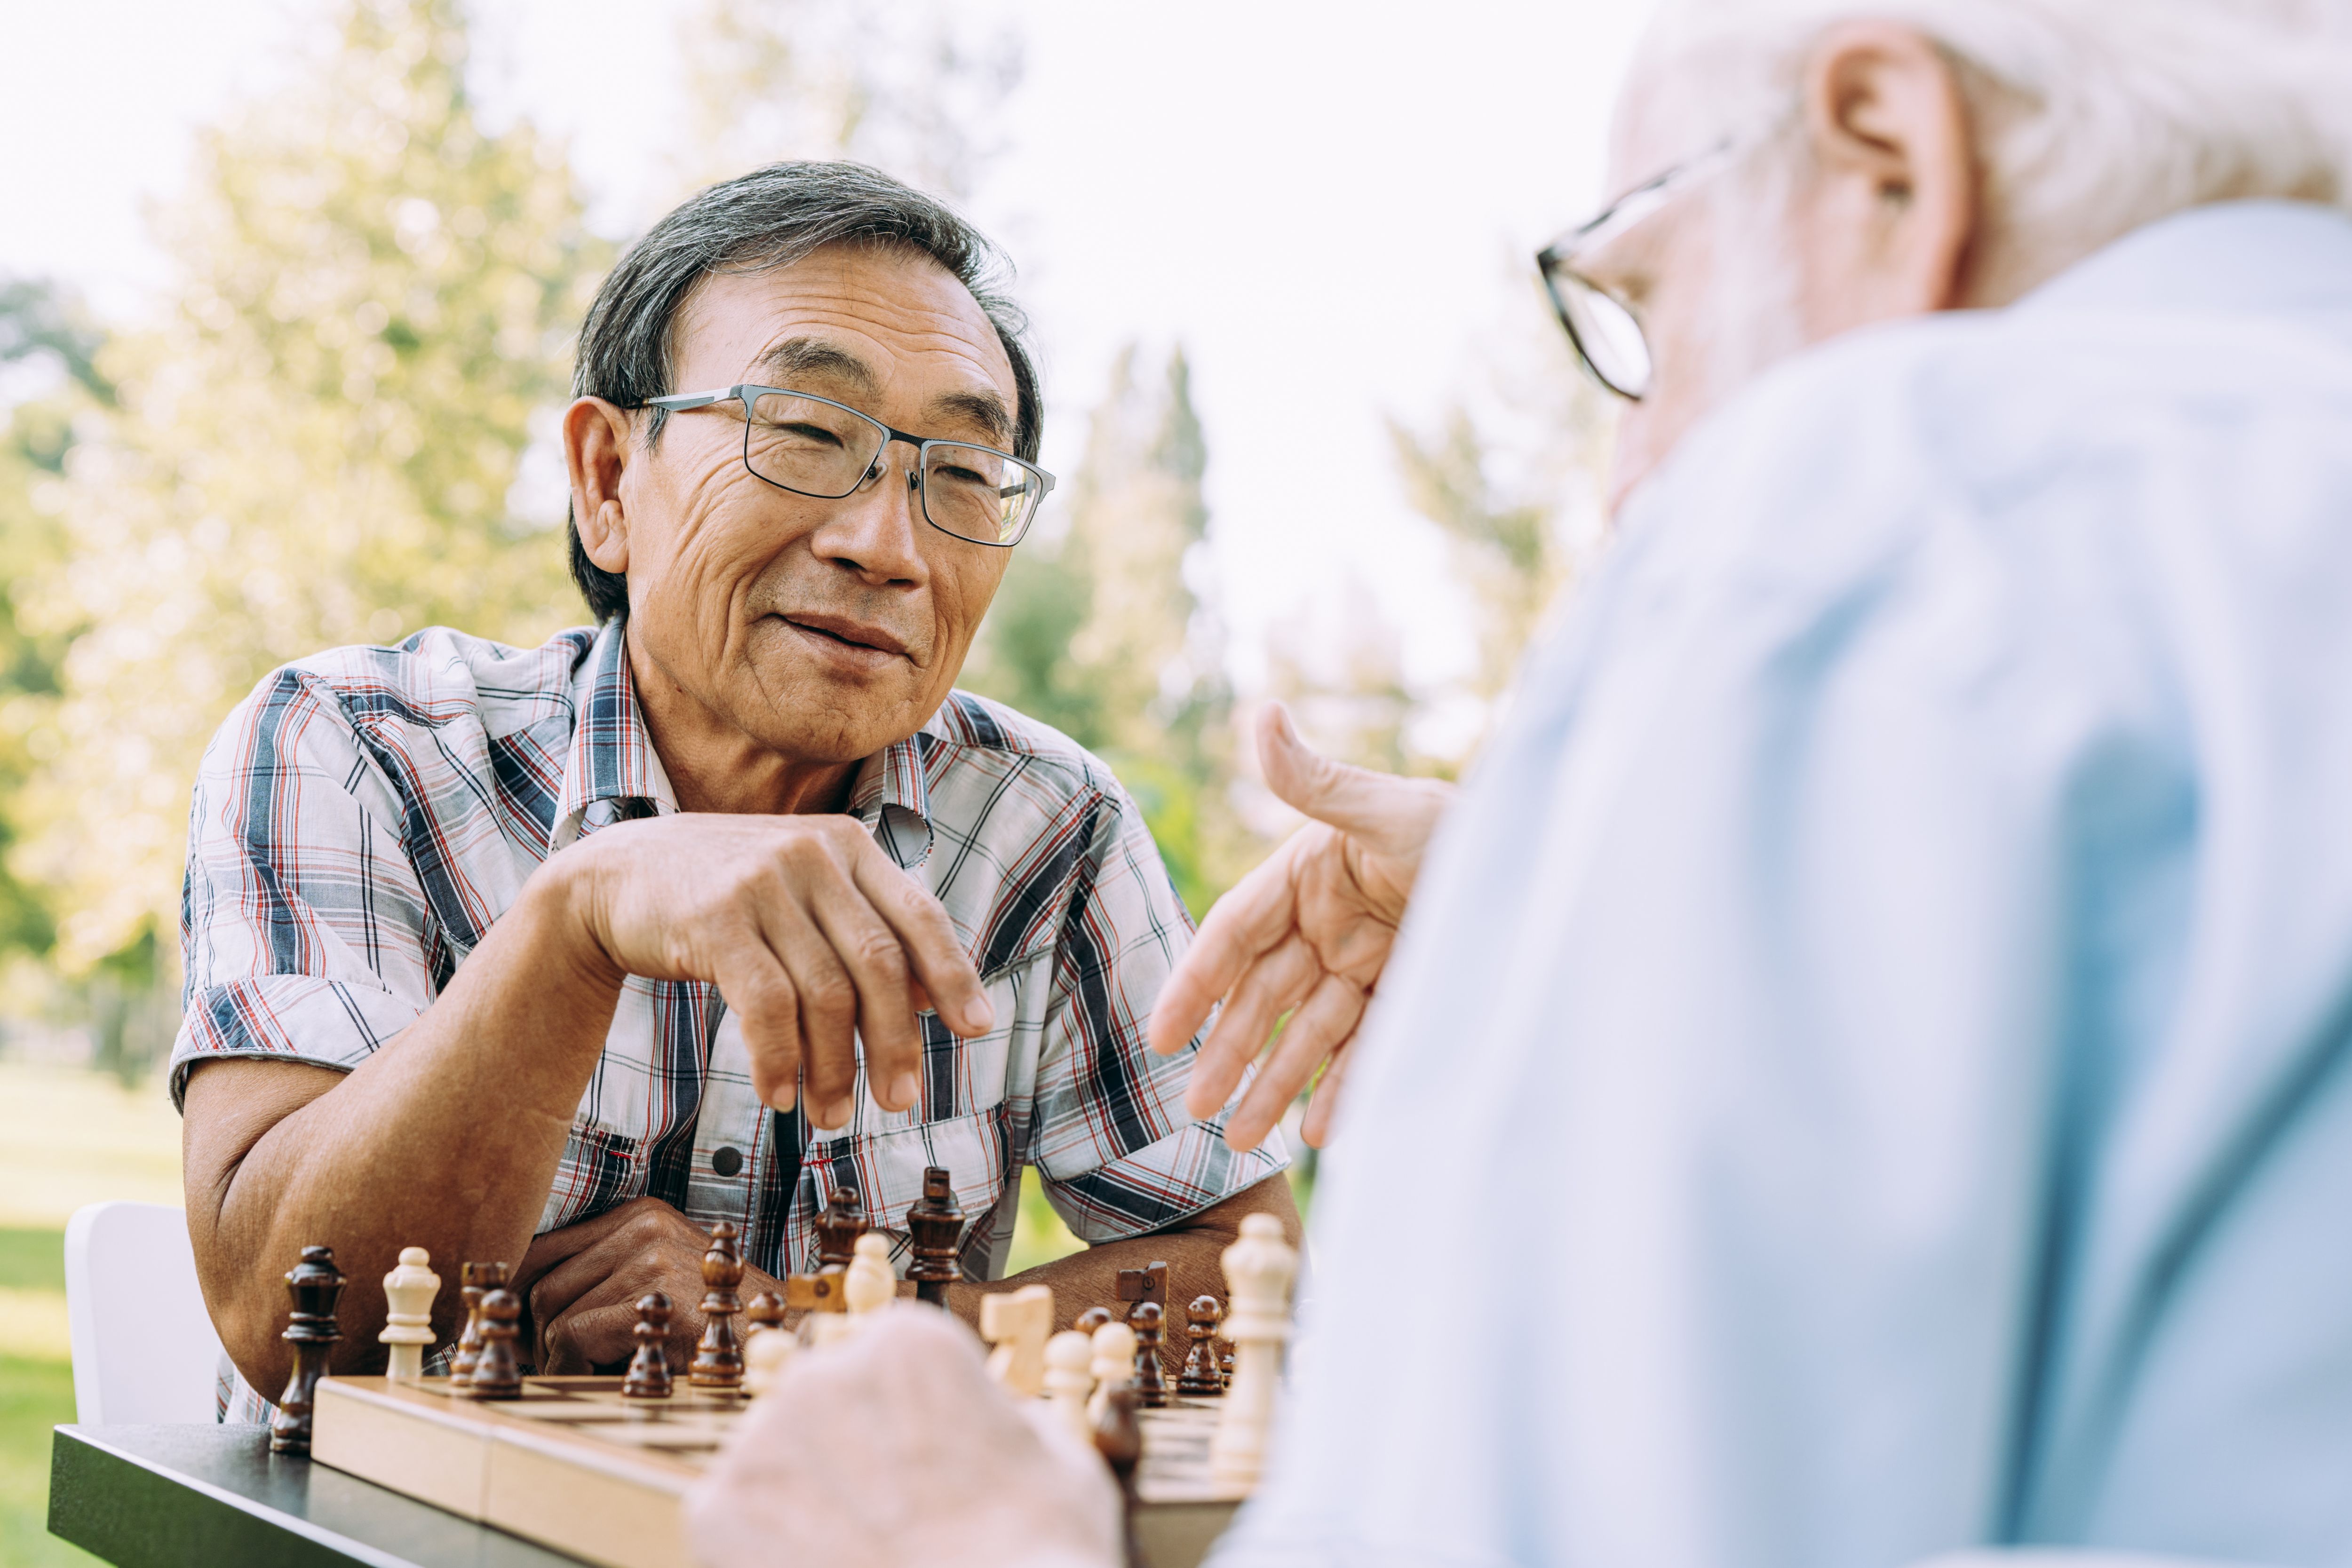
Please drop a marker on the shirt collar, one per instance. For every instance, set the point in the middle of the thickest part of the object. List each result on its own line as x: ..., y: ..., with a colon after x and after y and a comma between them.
x: 613, y: 772
x: 2235, y: 257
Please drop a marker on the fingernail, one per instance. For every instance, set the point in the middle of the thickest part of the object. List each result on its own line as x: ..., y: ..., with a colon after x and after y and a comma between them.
x: 785, y: 1098
x: 902, y: 1091
x: 981, y: 1015
x: 836, y: 1115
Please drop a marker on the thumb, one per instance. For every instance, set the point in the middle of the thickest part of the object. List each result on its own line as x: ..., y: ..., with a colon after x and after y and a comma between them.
x: 1391, y: 815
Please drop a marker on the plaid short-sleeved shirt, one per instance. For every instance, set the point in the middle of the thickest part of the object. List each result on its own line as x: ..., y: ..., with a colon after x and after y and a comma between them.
x: 363, y: 818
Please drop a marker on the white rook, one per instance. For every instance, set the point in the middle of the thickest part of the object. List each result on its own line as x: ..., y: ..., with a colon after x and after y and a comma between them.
x: 1260, y: 1268
x: 409, y: 1290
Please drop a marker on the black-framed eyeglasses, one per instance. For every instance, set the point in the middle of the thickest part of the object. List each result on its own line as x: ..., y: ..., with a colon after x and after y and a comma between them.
x: 1606, y: 332
x: 814, y: 446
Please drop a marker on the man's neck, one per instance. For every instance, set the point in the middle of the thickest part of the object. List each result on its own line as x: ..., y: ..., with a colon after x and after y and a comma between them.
x: 715, y: 767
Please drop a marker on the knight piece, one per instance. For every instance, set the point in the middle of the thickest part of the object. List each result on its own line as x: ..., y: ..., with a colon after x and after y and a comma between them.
x: 718, y: 1360
x: 315, y: 1287
x: 474, y: 1280
x: 1200, y: 1378
x: 1148, y: 1283
x: 838, y: 1229
x: 1151, y: 1378
x: 935, y: 1223
x: 648, y: 1376
x: 1017, y: 1323
x: 497, y: 1374
x: 408, y: 1295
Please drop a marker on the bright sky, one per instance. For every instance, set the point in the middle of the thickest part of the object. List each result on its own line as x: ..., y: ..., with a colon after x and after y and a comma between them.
x: 1324, y: 203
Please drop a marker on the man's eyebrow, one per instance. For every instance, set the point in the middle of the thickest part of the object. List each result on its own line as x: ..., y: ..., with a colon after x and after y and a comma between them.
x: 983, y: 409
x: 815, y: 357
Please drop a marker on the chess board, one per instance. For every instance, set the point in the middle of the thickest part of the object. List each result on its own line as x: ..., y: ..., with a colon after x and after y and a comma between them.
x: 573, y: 1467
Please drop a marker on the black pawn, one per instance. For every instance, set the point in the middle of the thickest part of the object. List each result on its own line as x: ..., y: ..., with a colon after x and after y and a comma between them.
x: 1200, y: 1379
x: 316, y: 1285
x: 497, y: 1374
x: 1151, y: 1382
x: 649, y: 1368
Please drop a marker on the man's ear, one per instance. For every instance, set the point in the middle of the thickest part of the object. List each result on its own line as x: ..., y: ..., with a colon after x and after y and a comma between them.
x: 1897, y: 195
x: 595, y: 452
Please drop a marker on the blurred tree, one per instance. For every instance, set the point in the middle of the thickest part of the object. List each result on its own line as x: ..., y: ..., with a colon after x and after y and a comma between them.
x: 915, y: 88
x: 318, y: 448
x: 1104, y: 629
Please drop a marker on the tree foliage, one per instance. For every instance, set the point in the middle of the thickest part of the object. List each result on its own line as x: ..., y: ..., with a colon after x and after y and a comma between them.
x: 315, y: 448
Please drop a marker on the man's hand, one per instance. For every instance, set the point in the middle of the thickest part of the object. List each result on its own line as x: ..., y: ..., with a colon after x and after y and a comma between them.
x: 812, y: 935
x: 582, y: 1282
x: 1306, y: 934
x: 895, y: 1450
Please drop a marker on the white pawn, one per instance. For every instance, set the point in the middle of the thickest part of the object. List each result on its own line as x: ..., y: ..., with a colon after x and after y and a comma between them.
x: 409, y: 1290
x: 870, y: 1284
x: 1260, y: 1268
x: 1114, y: 1367
x: 765, y: 1356
x: 1069, y: 1378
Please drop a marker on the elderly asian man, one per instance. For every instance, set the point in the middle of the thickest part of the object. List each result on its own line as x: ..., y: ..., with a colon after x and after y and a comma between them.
x: 1900, y: 947
x: 560, y: 955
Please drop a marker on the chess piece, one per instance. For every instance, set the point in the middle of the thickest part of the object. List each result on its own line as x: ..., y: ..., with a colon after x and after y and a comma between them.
x: 497, y: 1374
x: 761, y: 1313
x: 315, y: 1287
x: 1118, y: 1438
x: 474, y: 1280
x: 1200, y: 1379
x: 408, y: 1295
x: 1069, y: 1379
x: 1091, y: 1318
x: 765, y: 1356
x: 718, y: 1359
x: 934, y: 1224
x: 1016, y: 1322
x: 1259, y: 1270
x: 806, y: 1294
x: 870, y: 1284
x: 1114, y: 1363
x: 1151, y: 1378
x: 648, y: 1376
x: 837, y: 1230
x: 1148, y: 1283
x: 1225, y: 1362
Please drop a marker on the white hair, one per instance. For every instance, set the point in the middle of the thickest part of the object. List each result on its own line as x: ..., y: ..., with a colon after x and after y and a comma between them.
x: 2092, y: 117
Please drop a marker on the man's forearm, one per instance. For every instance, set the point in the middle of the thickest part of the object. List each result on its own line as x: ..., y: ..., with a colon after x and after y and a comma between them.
x: 1192, y: 1249
x: 446, y: 1138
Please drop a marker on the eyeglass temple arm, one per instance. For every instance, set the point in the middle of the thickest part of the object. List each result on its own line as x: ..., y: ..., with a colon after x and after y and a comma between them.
x: 681, y: 402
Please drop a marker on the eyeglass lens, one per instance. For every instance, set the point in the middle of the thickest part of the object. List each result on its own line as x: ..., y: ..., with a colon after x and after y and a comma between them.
x: 1612, y: 340
x: 817, y: 449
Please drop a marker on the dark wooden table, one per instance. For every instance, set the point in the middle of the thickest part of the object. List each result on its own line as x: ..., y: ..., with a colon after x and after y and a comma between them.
x: 206, y: 1497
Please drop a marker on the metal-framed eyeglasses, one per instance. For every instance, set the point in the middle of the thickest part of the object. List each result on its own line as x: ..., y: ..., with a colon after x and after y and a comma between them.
x: 1606, y: 332
x: 814, y: 446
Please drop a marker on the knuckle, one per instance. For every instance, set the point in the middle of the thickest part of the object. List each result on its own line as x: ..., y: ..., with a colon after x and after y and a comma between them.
x: 877, y: 949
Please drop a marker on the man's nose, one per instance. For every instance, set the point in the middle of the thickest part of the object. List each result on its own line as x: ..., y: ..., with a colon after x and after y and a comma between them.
x: 876, y: 531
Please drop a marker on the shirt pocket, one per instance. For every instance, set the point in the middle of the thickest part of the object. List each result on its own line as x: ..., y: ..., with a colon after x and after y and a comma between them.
x: 887, y: 1168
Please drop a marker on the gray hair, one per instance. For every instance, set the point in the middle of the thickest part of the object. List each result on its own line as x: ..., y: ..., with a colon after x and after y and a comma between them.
x: 769, y: 218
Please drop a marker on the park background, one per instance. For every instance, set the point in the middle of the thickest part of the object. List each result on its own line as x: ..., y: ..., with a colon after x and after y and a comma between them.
x: 288, y: 289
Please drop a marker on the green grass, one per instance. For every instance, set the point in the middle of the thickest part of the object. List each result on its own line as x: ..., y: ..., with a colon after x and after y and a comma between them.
x: 32, y: 1260
x: 35, y: 1396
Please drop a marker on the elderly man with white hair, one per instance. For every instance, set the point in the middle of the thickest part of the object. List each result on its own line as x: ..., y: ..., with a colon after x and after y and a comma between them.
x: 1900, y: 947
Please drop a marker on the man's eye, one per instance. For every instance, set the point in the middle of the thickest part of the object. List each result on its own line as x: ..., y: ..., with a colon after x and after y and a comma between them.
x: 810, y: 435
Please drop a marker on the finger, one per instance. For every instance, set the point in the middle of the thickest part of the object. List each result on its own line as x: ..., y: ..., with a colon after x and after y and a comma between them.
x: 653, y: 1241
x: 1319, y: 1026
x: 1391, y: 815
x: 758, y: 987
x: 943, y: 972
x: 1270, y: 988
x: 582, y: 1341
x: 567, y: 1241
x: 877, y: 965
x: 1316, y: 1125
x: 828, y: 1009
x: 1254, y: 915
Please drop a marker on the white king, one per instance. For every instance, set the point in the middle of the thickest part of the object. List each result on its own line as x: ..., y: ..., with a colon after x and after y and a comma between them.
x: 409, y: 1290
x: 1260, y: 1268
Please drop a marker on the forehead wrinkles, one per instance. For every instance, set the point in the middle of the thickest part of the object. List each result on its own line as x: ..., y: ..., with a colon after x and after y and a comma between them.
x: 913, y: 310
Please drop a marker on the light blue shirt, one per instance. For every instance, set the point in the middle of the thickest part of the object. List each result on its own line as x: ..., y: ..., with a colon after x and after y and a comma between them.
x: 1869, y: 1069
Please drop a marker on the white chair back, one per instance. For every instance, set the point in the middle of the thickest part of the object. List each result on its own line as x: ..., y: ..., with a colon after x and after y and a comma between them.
x: 145, y: 1352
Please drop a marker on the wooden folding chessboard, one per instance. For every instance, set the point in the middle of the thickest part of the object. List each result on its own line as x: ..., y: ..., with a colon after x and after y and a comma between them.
x: 573, y: 1467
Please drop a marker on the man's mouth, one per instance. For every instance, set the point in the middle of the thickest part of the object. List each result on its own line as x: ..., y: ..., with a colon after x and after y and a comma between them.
x: 859, y: 639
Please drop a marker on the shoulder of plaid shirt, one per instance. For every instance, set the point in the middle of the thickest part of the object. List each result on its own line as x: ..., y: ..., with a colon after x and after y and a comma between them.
x: 365, y: 815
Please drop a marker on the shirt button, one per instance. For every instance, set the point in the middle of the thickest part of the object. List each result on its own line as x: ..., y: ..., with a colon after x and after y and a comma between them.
x: 727, y: 1161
